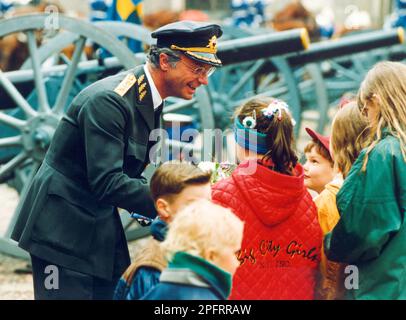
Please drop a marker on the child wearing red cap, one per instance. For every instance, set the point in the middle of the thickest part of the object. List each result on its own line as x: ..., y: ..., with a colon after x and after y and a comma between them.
x: 318, y: 168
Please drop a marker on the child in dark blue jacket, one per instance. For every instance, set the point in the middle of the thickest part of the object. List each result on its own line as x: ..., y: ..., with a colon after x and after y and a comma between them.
x: 201, y: 247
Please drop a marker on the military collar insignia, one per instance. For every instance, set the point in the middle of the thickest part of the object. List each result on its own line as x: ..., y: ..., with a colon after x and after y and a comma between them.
x: 142, y: 87
x: 143, y: 97
x: 141, y: 79
x: 142, y: 90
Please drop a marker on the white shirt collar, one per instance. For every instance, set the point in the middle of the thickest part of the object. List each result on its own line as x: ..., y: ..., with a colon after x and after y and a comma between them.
x: 156, y: 97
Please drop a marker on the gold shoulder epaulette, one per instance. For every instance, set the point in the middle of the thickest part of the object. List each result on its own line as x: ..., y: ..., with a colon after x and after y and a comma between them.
x: 125, y: 84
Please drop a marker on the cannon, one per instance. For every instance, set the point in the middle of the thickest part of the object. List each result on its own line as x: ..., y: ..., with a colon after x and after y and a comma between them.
x: 300, y: 78
x: 263, y: 46
x: 338, y: 66
x: 361, y: 42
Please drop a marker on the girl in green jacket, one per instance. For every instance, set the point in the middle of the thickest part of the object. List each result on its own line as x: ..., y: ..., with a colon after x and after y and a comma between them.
x: 371, y: 233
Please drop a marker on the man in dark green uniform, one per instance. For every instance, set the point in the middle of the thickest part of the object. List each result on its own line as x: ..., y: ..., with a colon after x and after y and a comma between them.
x: 69, y: 218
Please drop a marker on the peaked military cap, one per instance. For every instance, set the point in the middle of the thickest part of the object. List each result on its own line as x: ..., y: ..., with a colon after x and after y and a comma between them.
x: 197, y: 40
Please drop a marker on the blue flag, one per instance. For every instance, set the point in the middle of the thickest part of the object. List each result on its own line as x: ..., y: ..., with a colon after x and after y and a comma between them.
x: 127, y: 11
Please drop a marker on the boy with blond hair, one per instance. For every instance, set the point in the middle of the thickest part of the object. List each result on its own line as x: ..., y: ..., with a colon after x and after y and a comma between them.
x: 173, y: 186
x: 201, y: 248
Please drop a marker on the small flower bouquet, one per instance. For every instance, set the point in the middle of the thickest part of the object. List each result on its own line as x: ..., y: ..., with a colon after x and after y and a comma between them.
x: 219, y: 170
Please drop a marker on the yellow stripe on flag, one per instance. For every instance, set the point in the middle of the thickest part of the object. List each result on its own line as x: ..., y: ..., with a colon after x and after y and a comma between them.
x: 125, y: 8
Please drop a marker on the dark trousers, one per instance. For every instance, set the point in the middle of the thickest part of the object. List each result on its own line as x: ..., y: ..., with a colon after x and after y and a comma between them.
x: 53, y: 282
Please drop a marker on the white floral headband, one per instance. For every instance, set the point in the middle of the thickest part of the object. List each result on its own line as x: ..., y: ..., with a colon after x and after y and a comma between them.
x: 275, y: 107
x: 250, y: 122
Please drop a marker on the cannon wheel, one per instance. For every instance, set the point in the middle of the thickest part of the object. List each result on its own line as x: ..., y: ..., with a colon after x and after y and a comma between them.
x: 116, y: 28
x: 36, y: 126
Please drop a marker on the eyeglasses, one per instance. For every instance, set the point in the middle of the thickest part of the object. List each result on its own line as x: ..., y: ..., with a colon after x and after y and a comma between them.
x: 200, y: 71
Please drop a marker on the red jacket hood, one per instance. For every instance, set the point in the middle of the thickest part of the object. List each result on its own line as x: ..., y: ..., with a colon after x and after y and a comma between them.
x: 278, y: 195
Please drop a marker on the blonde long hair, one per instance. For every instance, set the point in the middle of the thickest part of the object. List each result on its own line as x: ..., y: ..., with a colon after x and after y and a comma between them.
x: 348, y: 136
x: 386, y: 80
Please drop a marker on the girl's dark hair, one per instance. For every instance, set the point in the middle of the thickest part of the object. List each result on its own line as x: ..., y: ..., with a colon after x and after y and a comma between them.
x: 280, y: 135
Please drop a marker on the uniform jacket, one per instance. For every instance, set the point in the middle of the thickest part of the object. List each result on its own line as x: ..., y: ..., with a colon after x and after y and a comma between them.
x: 282, y: 238
x: 93, y: 165
x: 371, y: 233
x: 189, y: 277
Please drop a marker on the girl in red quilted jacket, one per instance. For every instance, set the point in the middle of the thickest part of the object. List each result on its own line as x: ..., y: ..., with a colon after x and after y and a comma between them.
x: 282, y: 238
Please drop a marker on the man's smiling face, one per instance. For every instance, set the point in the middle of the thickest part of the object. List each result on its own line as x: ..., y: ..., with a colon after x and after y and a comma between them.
x: 184, y: 78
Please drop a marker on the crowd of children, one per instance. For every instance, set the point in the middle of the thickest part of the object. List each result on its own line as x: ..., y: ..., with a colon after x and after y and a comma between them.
x: 259, y: 234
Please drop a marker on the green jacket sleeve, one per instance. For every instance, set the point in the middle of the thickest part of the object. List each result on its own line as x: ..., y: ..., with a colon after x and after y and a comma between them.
x: 371, y: 206
x: 103, y: 122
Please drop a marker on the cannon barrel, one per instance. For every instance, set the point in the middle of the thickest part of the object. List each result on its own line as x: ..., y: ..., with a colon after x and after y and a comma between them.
x: 263, y: 46
x: 229, y: 51
x: 347, y: 45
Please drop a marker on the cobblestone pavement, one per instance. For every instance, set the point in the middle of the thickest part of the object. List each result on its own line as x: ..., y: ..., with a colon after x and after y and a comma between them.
x: 13, y: 286
x: 15, y: 283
